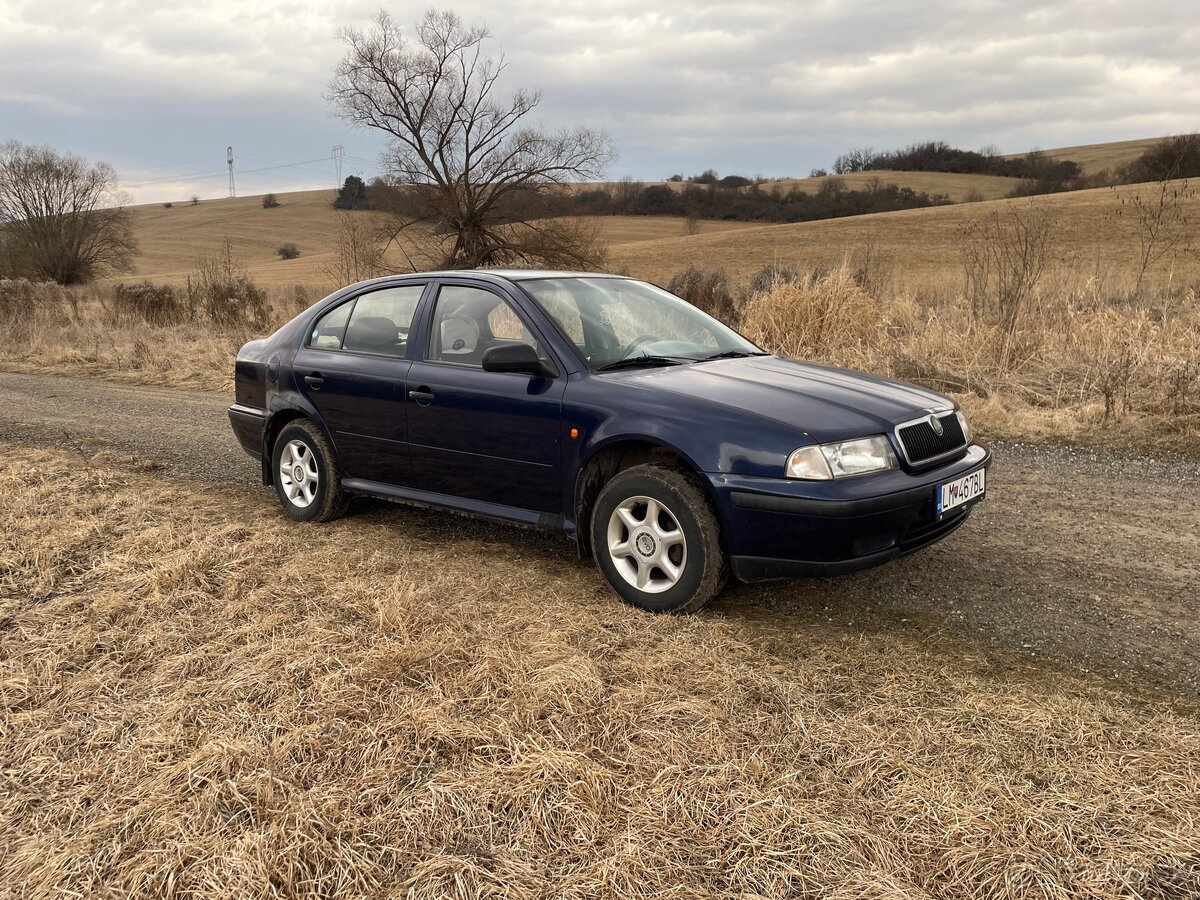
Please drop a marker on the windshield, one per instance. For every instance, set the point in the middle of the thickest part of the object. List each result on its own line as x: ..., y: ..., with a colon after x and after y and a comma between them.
x: 614, y: 319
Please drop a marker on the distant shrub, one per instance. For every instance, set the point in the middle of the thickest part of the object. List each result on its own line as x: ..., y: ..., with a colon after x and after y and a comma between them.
x: 676, y: 178
x: 818, y: 173
x: 768, y: 277
x: 168, y: 205
x: 269, y: 201
x: 195, y: 200
x: 1170, y: 158
x: 735, y: 181
x: 708, y: 176
x: 711, y: 290
x: 288, y: 251
x: 352, y: 195
x: 221, y: 291
x: 22, y: 300
x: 149, y: 303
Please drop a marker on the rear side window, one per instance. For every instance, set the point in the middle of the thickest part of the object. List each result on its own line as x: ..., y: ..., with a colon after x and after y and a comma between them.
x: 377, y: 322
x: 327, y: 334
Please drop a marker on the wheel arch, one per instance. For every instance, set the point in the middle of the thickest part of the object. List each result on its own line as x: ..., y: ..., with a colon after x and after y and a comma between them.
x: 276, y: 422
x: 614, y: 456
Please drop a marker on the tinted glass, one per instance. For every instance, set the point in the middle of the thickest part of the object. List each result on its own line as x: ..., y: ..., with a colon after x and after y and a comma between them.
x: 381, y: 320
x: 327, y: 334
x: 377, y: 322
x: 609, y: 319
x: 467, y: 321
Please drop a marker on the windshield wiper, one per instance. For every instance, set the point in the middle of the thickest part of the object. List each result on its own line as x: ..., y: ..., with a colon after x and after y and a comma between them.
x: 631, y: 361
x: 733, y: 354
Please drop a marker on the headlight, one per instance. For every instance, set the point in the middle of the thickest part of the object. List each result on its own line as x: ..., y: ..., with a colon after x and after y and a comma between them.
x: 962, y: 423
x: 842, y: 459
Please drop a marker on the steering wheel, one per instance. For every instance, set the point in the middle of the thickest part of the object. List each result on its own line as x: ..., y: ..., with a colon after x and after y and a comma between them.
x: 637, y: 342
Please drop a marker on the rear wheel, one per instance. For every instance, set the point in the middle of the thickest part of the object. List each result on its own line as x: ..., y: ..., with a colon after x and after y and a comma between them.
x: 304, y: 471
x: 657, y: 541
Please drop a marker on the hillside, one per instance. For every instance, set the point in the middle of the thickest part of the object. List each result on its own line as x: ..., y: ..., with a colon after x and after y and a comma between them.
x: 172, y: 239
x: 955, y: 186
x: 1093, y: 158
x: 1094, y: 233
x: 1092, y: 236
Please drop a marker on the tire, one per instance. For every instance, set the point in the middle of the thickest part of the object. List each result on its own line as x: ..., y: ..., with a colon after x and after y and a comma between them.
x: 657, y: 541
x: 305, y: 474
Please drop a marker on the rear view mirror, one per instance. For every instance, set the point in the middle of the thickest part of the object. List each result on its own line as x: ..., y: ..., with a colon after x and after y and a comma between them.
x: 520, y: 358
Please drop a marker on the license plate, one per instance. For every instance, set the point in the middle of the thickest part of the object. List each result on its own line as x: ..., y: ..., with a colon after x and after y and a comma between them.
x: 959, y: 491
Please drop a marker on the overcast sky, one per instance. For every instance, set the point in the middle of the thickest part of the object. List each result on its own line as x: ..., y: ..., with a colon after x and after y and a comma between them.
x: 160, y: 89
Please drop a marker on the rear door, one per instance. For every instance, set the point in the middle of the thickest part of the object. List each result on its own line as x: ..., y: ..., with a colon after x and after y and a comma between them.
x: 486, y: 436
x: 353, y: 369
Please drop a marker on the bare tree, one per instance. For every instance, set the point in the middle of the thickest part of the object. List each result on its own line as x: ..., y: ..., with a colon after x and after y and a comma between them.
x: 487, y: 186
x: 357, y: 251
x: 1160, y: 211
x: 1004, y: 256
x: 63, y: 218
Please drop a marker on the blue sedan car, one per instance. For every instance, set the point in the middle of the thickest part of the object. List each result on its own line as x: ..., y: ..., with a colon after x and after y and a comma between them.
x: 666, y: 445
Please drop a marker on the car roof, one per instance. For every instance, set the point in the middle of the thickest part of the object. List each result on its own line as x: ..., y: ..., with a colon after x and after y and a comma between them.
x: 525, y: 274
x: 494, y: 275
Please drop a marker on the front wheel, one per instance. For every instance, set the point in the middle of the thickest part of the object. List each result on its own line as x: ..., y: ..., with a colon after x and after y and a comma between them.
x: 304, y: 471
x: 657, y: 541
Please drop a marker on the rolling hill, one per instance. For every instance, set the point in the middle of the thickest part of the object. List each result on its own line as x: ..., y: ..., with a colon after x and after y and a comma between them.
x: 1094, y: 232
x: 1093, y: 158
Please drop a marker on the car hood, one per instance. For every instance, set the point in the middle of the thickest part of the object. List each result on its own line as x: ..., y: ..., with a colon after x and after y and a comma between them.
x: 824, y: 402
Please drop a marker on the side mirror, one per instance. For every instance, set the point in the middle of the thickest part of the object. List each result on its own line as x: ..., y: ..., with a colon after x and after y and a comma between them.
x: 521, y: 358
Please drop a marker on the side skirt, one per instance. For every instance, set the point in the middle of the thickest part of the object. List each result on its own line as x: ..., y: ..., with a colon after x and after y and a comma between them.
x: 496, y: 512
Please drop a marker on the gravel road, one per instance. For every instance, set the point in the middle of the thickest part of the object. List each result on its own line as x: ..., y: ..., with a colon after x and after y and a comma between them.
x: 1080, y: 558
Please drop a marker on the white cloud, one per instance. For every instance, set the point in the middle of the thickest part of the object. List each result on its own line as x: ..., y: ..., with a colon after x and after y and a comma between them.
x: 773, y: 87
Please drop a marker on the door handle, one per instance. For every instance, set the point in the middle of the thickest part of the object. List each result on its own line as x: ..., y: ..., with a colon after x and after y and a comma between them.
x: 314, y: 381
x: 423, y: 395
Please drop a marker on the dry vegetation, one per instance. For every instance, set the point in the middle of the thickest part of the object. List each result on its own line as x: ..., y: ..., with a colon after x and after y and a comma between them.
x: 958, y: 187
x: 1059, y: 361
x: 189, y: 706
x: 1032, y: 347
x: 1093, y: 158
x: 170, y: 239
x: 1093, y: 237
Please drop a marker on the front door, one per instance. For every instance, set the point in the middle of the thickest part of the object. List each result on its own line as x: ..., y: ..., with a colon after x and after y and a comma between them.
x: 486, y: 436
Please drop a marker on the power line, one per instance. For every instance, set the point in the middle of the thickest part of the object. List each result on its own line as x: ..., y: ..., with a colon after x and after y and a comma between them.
x: 189, y: 162
x: 207, y: 175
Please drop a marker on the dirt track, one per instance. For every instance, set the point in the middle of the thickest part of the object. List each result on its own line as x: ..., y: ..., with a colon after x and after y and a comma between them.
x: 1078, y: 558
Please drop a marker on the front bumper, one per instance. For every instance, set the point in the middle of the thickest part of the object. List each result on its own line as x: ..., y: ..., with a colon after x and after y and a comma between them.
x: 784, y: 528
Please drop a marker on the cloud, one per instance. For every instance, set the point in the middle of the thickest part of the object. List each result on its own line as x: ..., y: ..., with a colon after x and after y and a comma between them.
x: 758, y: 87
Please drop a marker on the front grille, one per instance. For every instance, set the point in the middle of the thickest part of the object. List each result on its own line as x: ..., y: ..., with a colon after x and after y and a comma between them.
x: 922, y: 443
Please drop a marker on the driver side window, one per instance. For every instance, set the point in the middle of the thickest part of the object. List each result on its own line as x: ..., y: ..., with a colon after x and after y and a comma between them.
x: 468, y: 321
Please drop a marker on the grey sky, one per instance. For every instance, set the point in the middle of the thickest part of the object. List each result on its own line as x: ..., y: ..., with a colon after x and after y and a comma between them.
x: 772, y: 88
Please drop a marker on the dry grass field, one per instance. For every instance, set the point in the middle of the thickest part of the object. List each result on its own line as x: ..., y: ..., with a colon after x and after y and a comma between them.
x: 1094, y: 236
x: 172, y: 239
x: 957, y: 187
x: 201, y: 699
x: 1093, y: 158
x: 1083, y: 363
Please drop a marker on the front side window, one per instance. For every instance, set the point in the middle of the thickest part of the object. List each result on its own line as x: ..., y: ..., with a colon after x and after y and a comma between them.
x: 377, y: 322
x: 468, y: 321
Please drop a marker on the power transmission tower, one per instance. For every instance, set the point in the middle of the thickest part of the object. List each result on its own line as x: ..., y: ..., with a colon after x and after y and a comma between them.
x: 229, y: 159
x: 338, y: 152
